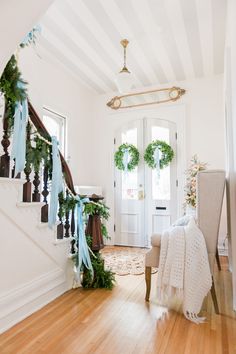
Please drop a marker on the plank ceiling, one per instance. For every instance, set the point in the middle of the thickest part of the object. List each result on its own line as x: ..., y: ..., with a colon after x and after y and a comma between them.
x: 170, y: 40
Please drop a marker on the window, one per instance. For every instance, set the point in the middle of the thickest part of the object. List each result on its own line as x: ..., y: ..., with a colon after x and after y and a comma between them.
x: 56, y: 125
x: 130, y: 179
x: 161, y: 184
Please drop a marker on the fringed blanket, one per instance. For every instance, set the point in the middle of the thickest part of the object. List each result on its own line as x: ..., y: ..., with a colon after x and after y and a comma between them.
x: 184, y: 270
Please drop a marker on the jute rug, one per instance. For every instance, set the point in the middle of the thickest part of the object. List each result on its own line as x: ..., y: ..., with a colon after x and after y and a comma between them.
x: 124, y: 260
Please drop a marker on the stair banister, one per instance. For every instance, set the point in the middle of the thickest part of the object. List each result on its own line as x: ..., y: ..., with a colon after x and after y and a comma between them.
x: 42, y: 129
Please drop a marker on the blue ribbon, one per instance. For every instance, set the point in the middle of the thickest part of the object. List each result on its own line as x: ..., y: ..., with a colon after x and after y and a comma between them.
x: 30, y: 37
x: 156, y: 157
x: 19, y: 133
x: 83, y: 251
x: 125, y: 160
x: 57, y: 183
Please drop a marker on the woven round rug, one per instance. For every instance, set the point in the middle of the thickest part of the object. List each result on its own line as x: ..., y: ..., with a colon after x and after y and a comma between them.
x: 124, y: 261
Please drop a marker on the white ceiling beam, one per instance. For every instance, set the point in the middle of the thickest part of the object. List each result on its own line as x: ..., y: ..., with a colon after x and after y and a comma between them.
x: 49, y: 53
x: 125, y: 31
x: 189, y: 12
x: 219, y: 28
x: 57, y: 20
x: 204, y: 13
x: 89, y: 19
x: 176, y: 22
x: 158, y: 14
x: 73, y: 58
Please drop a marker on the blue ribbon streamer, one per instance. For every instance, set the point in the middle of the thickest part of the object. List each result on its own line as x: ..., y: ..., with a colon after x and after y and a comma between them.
x: 31, y: 36
x: 19, y: 134
x: 83, y: 251
x: 125, y: 160
x: 57, y: 183
x: 156, y: 157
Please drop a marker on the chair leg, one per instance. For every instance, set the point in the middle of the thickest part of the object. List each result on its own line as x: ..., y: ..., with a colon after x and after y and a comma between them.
x: 214, y: 298
x: 148, y: 282
x: 218, y: 260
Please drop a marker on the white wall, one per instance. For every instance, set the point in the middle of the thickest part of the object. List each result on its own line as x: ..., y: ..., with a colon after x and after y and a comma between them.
x: 52, y: 86
x: 230, y: 103
x: 205, y: 136
x: 17, y: 18
x: 33, y: 270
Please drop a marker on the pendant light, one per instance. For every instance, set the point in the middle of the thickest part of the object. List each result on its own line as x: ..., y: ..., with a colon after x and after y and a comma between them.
x: 124, y: 79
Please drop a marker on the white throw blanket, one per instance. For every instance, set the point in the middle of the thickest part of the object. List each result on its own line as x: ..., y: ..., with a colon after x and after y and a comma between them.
x: 184, y: 270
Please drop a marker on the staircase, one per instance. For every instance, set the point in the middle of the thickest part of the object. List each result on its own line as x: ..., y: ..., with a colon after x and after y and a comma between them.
x: 34, y: 263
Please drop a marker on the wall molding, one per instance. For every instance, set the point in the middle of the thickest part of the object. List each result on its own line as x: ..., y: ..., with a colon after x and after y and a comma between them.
x: 20, y: 302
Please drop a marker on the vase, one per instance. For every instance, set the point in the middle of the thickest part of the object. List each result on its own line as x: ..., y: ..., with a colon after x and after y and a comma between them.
x: 190, y: 210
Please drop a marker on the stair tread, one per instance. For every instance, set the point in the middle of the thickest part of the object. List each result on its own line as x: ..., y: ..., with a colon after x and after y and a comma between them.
x: 30, y: 204
x: 12, y: 180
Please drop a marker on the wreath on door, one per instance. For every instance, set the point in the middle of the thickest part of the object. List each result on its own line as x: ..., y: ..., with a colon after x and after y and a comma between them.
x: 158, y: 152
x: 126, y: 157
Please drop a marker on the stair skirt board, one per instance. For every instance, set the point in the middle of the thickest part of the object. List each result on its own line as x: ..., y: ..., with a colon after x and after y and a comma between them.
x: 21, y: 302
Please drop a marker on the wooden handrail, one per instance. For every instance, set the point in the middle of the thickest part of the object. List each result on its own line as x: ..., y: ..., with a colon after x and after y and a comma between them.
x: 42, y: 130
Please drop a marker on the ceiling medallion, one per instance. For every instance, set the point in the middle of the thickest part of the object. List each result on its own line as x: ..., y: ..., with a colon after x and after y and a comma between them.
x: 162, y: 96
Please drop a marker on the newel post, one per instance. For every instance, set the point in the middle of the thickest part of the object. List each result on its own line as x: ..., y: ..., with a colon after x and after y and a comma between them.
x: 5, y: 158
x: 45, y: 192
x: 27, y: 169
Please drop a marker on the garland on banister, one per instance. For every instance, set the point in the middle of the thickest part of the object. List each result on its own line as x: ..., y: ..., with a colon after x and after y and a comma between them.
x: 40, y: 150
x: 12, y: 85
x: 101, y: 278
x: 12, y: 91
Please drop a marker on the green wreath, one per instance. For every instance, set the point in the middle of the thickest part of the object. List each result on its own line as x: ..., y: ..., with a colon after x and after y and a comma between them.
x: 134, y: 157
x: 166, y: 155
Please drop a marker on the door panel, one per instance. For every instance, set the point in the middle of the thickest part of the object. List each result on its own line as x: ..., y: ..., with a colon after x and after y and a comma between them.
x: 144, y: 203
x: 129, y: 206
x: 161, y: 201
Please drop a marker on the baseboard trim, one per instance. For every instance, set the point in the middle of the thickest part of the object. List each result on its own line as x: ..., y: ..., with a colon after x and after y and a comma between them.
x: 21, y: 302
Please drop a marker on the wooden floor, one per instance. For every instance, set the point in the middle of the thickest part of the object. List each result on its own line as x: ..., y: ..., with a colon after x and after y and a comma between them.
x: 120, y: 322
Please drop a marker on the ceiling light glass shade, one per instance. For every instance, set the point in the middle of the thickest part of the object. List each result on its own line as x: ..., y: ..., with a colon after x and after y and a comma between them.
x: 124, y: 81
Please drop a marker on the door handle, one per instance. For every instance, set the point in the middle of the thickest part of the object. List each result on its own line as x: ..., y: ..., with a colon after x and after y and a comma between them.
x: 160, y: 208
x: 140, y: 195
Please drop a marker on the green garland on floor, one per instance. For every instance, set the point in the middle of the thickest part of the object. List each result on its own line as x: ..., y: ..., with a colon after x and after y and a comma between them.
x: 102, y: 278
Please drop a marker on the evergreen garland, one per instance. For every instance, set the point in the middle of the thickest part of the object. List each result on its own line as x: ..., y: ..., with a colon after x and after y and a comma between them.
x: 102, y: 278
x: 40, y: 152
x: 66, y: 204
x: 166, y: 157
x: 98, y: 208
x: 9, y: 86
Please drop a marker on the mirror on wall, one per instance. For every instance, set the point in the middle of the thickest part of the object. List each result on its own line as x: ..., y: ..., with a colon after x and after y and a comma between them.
x: 146, y: 98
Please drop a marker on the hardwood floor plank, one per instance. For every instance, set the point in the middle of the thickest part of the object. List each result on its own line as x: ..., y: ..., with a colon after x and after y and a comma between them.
x: 121, y: 322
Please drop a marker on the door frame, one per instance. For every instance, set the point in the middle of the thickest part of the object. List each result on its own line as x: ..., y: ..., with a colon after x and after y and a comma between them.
x: 175, y: 113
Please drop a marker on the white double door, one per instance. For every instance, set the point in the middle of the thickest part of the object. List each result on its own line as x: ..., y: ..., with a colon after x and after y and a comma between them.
x: 145, y: 203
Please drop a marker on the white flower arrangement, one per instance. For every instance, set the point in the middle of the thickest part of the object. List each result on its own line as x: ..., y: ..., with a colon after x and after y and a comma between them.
x: 190, y: 188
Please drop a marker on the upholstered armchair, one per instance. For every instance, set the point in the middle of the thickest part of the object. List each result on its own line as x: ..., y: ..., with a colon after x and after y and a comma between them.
x: 210, y: 192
